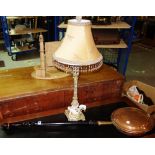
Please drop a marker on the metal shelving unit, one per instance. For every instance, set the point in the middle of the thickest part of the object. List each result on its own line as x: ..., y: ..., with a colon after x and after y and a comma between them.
x: 8, y: 34
x: 126, y: 29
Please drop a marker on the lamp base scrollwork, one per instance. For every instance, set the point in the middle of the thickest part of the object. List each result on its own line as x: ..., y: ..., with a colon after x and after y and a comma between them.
x: 75, y: 113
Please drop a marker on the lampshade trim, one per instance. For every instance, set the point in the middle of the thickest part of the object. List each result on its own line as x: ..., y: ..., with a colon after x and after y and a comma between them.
x: 85, y: 68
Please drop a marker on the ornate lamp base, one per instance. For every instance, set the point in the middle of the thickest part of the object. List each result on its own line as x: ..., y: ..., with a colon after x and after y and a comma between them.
x: 75, y: 114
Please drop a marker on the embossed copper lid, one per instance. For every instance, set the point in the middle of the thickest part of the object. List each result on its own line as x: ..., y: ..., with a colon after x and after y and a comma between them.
x: 132, y: 121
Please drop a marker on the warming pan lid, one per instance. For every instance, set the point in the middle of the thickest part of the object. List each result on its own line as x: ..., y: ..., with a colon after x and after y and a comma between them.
x: 132, y: 121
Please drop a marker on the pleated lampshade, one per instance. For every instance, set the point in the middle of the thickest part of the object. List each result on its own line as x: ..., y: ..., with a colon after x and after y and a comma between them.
x: 78, y: 48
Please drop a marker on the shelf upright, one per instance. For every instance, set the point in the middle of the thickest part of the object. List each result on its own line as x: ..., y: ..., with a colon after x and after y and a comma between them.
x: 123, y: 54
x: 7, y: 40
x: 56, y: 29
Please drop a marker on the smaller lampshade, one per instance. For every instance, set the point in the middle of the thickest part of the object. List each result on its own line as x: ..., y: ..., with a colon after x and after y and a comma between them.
x: 78, y: 48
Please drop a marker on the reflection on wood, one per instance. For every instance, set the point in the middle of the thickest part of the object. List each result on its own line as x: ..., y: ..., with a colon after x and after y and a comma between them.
x: 23, y: 97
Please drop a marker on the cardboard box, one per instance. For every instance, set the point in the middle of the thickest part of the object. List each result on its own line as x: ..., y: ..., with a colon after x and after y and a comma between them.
x: 149, y: 91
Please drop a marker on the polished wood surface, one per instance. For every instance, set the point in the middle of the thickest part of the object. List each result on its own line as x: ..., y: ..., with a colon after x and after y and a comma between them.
x: 23, y: 97
x: 27, y: 31
x: 18, y: 82
x: 50, y: 48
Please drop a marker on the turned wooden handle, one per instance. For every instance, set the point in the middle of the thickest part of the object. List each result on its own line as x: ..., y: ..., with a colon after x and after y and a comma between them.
x: 52, y: 124
x: 104, y: 123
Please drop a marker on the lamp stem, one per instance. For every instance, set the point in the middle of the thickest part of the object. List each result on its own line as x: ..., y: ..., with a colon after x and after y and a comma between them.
x: 75, y: 102
x: 74, y: 112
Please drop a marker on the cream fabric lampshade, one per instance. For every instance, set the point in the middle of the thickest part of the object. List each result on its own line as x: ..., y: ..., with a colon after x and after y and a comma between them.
x: 78, y: 47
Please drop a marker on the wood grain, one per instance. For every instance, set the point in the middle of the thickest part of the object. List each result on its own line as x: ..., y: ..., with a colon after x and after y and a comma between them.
x: 24, y: 98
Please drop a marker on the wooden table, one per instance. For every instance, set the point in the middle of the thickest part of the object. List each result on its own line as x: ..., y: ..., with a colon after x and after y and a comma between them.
x: 23, y: 97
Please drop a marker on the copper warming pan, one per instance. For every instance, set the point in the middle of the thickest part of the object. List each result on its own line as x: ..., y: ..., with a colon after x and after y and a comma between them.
x: 129, y: 120
x: 132, y: 121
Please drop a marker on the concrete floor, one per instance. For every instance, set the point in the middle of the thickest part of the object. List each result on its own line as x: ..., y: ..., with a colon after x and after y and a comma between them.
x: 141, y: 65
x: 23, y: 60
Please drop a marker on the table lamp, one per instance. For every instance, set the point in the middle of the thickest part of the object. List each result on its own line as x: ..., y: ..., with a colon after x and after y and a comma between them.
x: 77, y: 54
